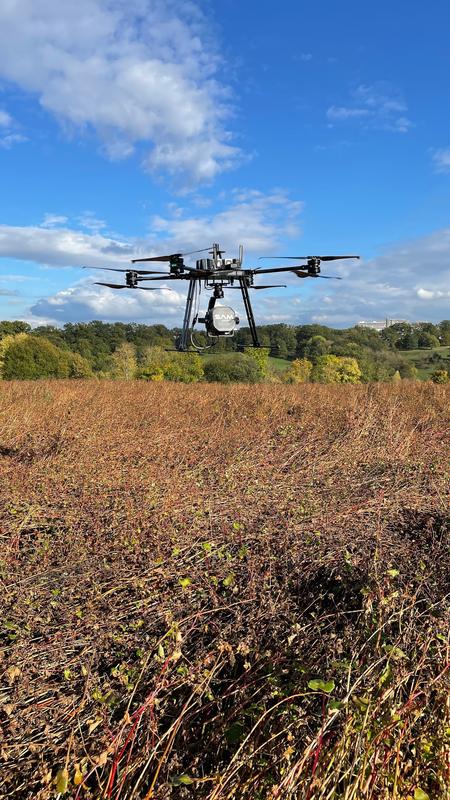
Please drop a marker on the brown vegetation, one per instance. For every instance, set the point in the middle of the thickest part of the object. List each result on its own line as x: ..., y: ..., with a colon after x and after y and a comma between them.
x: 224, y: 592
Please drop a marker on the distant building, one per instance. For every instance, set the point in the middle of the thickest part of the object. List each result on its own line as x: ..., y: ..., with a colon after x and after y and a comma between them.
x: 375, y: 325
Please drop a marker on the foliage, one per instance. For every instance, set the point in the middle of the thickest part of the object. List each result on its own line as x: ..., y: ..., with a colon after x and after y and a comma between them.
x: 440, y: 376
x: 238, y: 367
x: 28, y: 358
x: 158, y: 364
x: 224, y: 592
x: 299, y: 371
x: 336, y: 369
x: 404, y: 347
x: 123, y: 362
x: 260, y: 356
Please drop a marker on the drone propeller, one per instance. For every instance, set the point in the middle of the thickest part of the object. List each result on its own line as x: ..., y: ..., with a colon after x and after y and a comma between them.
x: 310, y: 258
x: 121, y: 286
x: 137, y: 271
x: 300, y: 272
x: 172, y: 256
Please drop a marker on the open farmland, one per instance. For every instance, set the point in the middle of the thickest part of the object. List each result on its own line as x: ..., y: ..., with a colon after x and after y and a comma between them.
x: 224, y: 592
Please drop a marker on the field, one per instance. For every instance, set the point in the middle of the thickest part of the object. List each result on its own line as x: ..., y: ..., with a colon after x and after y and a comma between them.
x: 422, y: 360
x: 222, y: 592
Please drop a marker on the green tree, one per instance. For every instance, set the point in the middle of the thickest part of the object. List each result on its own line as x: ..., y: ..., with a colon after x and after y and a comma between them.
x: 427, y: 340
x: 8, y: 328
x: 5, y: 343
x: 78, y: 367
x: 336, y: 369
x: 238, y: 367
x: 444, y: 332
x: 32, y: 357
x: 315, y: 347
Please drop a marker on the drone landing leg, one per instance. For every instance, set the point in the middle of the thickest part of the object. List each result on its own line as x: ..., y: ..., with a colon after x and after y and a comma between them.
x: 183, y: 342
x: 249, y: 312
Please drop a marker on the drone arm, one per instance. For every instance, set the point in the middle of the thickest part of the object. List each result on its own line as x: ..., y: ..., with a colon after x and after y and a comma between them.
x: 278, y: 269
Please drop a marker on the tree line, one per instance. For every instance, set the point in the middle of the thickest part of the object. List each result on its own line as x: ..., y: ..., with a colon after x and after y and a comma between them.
x: 303, y: 353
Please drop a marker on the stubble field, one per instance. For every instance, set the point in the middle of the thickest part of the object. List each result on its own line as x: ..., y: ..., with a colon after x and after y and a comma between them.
x: 224, y: 592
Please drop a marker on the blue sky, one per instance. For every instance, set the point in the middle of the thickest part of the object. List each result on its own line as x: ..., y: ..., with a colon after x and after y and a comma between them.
x: 146, y: 126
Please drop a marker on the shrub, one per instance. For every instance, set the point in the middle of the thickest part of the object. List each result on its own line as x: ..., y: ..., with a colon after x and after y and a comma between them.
x: 233, y: 369
x: 336, y: 369
x: 299, y: 371
x: 440, y: 376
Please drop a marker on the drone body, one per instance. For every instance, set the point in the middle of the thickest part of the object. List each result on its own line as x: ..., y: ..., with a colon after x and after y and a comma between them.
x: 215, y: 274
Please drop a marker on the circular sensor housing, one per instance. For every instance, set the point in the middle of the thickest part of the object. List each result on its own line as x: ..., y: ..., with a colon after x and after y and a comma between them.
x: 221, y: 321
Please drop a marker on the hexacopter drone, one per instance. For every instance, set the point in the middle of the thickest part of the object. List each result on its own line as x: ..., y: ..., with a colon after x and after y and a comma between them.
x: 215, y: 274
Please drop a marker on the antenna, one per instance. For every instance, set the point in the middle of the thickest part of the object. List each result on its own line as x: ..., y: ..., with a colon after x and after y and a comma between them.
x: 241, y: 254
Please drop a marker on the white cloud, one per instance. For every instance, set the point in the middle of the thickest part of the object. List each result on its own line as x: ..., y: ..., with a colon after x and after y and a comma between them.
x: 85, y: 301
x: 342, y: 112
x: 137, y: 71
x: 256, y: 219
x: 62, y: 247
x: 53, y: 220
x: 11, y: 139
x: 441, y: 159
x: 378, y: 106
x: 5, y: 119
x: 408, y: 281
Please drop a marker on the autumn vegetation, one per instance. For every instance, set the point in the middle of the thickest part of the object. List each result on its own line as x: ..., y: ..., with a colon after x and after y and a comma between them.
x: 224, y: 592
x: 288, y: 353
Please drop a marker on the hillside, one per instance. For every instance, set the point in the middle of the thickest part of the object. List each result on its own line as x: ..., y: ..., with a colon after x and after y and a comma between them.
x: 219, y: 592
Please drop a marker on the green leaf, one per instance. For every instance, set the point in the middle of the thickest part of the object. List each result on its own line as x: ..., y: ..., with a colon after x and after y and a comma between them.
x: 392, y: 573
x: 207, y: 547
x: 161, y: 652
x: 181, y: 780
x: 394, y: 652
x: 385, y: 676
x: 62, y: 781
x: 229, y: 580
x: 419, y: 794
x: 184, y: 582
x: 318, y: 685
x: 335, y: 705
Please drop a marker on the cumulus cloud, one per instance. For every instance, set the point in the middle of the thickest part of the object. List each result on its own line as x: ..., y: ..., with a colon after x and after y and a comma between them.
x: 409, y: 281
x: 377, y: 106
x: 62, y: 247
x: 259, y: 220
x: 141, y: 71
x: 85, y: 301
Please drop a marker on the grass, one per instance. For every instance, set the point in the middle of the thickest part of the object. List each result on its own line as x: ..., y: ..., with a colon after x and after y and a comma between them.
x: 423, y: 360
x: 223, y: 592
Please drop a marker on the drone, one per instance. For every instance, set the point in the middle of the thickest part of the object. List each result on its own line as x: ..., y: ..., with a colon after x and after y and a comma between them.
x: 215, y: 273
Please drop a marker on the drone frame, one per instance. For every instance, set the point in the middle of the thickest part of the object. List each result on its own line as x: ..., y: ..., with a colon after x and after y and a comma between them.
x: 216, y: 274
